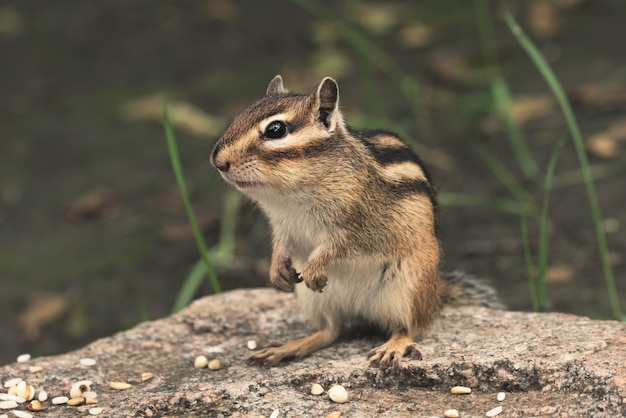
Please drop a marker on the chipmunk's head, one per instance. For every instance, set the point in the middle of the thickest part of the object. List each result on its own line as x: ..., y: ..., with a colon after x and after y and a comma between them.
x: 265, y: 146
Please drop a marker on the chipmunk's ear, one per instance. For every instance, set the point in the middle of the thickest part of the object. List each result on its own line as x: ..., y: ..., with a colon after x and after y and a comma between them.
x: 276, y: 87
x: 326, y: 101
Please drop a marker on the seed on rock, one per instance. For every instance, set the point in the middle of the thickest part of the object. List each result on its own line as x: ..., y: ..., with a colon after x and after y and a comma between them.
x: 87, y: 362
x: 12, y: 382
x: 275, y: 413
x: 251, y: 345
x: 35, y: 369
x: 22, y: 414
x: 91, y: 401
x: 338, y: 394
x: 15, y: 398
x: 316, y: 389
x: 334, y: 414
x: 120, y: 385
x: 43, y: 395
x: 76, y: 401
x: 501, y: 396
x: 13, y: 390
x: 460, y: 390
x: 200, y: 362
x: 495, y: 411
x: 215, y: 364
x: 90, y: 394
x: 35, y: 405
x: 80, y: 387
x: 8, y: 404
x: 60, y: 400
x: 95, y: 411
x: 24, y: 390
x: 23, y: 358
x: 4, y: 416
x: 146, y: 376
x: 451, y: 413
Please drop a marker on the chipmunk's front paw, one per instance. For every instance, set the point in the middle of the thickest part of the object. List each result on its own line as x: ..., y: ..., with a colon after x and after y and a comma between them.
x: 284, y: 276
x: 316, y: 281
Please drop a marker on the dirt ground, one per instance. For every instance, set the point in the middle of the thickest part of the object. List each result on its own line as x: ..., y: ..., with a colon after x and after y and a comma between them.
x: 93, y: 236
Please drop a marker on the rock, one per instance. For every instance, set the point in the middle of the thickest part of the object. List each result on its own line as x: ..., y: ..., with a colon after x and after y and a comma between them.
x: 546, y: 363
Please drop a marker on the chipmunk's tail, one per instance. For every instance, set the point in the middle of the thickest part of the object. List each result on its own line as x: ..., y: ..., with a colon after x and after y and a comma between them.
x: 458, y: 289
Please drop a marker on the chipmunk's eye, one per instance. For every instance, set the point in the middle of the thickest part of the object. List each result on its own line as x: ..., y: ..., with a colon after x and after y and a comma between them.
x: 275, y: 130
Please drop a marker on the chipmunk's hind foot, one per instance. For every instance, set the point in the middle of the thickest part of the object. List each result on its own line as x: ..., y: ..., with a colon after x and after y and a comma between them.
x: 390, y: 354
x: 293, y: 350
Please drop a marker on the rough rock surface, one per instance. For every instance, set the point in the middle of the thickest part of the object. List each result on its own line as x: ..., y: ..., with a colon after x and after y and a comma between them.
x: 548, y: 365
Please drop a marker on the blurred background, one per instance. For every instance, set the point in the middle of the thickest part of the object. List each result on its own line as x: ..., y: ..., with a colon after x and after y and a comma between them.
x: 94, y: 237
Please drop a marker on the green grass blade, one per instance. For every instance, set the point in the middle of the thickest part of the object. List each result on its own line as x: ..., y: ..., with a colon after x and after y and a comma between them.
x: 550, y: 78
x: 178, y: 172
x: 504, y: 175
x: 502, y: 98
x: 530, y: 268
x: 542, y: 257
x: 500, y: 92
x: 190, y: 286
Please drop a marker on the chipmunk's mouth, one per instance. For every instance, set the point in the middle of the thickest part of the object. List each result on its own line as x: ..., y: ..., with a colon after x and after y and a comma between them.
x: 246, y: 184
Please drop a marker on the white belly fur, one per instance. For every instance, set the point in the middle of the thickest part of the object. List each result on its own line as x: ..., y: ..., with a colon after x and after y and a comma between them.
x: 355, y: 292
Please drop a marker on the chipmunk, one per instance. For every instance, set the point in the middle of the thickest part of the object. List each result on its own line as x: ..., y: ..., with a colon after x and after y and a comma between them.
x: 354, y: 220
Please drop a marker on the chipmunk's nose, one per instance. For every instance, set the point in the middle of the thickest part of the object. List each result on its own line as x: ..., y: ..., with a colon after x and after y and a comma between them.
x: 223, y: 166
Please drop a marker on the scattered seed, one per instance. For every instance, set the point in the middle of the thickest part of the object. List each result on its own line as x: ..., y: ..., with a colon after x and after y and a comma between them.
x: 22, y: 414
x: 215, y: 364
x: 23, y: 358
x: 316, y: 389
x: 4, y: 416
x: 275, y: 413
x: 334, y: 414
x: 146, y: 376
x: 60, y: 400
x: 451, y: 413
x: 8, y: 404
x: 13, y: 390
x: 14, y: 398
x: 120, y: 385
x: 495, y: 411
x: 80, y: 387
x: 35, y: 405
x: 35, y: 369
x: 338, y: 394
x: 87, y: 362
x: 95, y: 411
x: 90, y: 394
x: 43, y: 395
x: 501, y: 396
x: 12, y: 382
x: 460, y: 390
x: 24, y: 390
x: 200, y: 362
x: 91, y: 401
x: 76, y: 401
x: 251, y: 345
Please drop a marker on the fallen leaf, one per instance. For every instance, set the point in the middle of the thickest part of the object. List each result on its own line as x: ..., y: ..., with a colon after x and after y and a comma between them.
x: 182, y: 115
x: 600, y: 93
x: 41, y: 310
x: 559, y: 275
x: 95, y: 202
x: 544, y: 19
x: 602, y: 145
x: 414, y: 36
x: 528, y: 107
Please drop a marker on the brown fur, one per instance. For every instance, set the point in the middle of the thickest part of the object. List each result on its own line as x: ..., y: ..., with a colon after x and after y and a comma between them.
x: 353, y: 212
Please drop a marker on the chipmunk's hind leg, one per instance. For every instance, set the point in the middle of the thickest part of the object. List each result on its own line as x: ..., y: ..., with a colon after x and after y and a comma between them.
x: 390, y: 354
x: 294, y: 350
